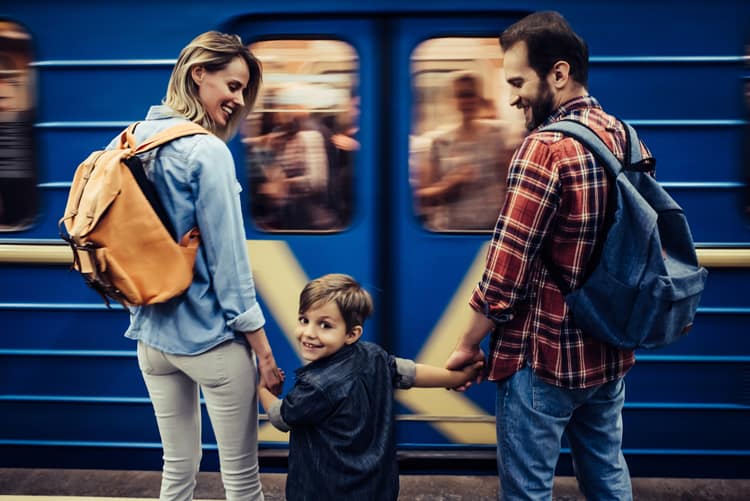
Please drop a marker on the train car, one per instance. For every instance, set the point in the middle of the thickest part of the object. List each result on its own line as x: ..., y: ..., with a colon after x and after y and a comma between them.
x: 369, y: 85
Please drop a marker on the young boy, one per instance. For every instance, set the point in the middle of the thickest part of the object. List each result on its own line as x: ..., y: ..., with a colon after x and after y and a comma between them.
x: 340, y: 410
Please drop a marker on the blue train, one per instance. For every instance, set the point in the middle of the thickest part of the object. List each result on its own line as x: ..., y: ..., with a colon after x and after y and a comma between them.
x: 366, y: 87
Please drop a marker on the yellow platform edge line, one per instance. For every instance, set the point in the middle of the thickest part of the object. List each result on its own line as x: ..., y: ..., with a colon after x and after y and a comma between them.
x: 53, y: 254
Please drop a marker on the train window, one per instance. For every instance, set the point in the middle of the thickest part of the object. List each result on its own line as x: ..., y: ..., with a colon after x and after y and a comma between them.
x: 301, y: 139
x: 463, y: 133
x: 18, y: 180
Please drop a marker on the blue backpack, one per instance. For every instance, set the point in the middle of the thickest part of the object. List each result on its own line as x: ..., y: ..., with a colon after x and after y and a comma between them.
x: 643, y: 283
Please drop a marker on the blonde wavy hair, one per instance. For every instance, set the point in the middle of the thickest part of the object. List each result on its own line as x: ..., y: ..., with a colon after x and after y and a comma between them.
x: 213, y: 51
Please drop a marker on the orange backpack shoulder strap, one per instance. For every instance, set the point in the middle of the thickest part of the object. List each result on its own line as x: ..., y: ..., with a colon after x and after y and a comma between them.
x: 174, y: 132
x: 127, y: 137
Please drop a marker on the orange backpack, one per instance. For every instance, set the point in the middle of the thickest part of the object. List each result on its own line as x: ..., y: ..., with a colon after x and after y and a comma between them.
x: 120, y: 234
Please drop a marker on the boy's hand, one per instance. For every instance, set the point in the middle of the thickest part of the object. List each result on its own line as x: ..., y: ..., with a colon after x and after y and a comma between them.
x: 271, y: 376
x: 473, y: 372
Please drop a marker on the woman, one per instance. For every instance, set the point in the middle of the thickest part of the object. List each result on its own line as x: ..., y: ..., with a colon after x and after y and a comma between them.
x: 202, y: 339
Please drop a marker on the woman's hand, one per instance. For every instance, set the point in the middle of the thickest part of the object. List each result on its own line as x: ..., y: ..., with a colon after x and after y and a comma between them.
x: 271, y: 376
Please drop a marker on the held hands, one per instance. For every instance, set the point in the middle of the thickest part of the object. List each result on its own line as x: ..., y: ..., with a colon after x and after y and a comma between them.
x: 469, y: 360
x: 271, y: 376
x: 471, y: 373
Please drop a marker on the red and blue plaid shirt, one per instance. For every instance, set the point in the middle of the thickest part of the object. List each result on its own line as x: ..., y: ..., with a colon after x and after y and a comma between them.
x: 556, y: 203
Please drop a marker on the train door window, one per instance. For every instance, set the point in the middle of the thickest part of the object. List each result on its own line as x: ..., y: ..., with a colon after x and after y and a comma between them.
x: 18, y: 179
x: 301, y: 139
x: 463, y: 133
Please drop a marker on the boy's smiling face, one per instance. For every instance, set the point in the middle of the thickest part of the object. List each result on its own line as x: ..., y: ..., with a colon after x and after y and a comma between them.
x: 321, y: 331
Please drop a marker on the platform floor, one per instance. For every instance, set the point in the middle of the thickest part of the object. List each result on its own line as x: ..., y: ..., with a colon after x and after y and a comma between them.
x: 20, y: 484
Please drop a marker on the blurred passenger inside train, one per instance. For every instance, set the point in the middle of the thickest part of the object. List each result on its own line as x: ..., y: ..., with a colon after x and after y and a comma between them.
x: 346, y: 144
x: 462, y: 185
x: 341, y: 409
x: 293, y: 159
x: 18, y: 179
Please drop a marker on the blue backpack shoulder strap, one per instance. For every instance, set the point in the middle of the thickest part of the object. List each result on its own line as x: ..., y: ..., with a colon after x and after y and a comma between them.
x: 595, y: 145
x: 613, y: 167
x: 634, y: 155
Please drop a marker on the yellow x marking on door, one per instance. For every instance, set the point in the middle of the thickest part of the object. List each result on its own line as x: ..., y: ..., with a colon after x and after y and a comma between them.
x: 279, y: 279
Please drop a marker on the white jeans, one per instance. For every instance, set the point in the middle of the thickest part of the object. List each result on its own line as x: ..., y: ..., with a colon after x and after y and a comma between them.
x: 227, y: 377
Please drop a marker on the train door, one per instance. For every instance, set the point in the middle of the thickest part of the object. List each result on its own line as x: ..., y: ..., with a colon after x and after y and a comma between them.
x: 371, y: 222
x: 310, y: 160
x: 449, y: 75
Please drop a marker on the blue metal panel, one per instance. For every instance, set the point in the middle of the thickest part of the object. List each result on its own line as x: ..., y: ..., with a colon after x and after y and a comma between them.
x: 51, y: 327
x: 713, y: 334
x: 698, y: 153
x: 713, y: 381
x: 714, y: 213
x: 79, y: 374
x: 669, y: 428
x: 47, y: 284
x: 129, y: 422
x: 669, y: 90
x: 111, y: 93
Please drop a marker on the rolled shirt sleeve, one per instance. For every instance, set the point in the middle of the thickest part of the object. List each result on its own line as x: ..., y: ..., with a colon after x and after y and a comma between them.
x: 274, y: 416
x: 406, y: 373
x: 530, y: 206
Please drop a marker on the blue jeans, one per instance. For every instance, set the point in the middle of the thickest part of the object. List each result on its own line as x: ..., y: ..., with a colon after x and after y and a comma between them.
x: 531, y: 418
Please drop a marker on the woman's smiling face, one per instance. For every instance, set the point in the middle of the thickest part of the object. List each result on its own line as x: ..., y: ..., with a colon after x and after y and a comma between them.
x: 221, y: 92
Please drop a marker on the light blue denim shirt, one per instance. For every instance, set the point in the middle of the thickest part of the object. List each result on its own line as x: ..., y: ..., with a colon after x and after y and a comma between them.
x: 196, y: 181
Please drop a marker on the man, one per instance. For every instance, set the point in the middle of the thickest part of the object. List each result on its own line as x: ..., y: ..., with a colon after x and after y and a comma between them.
x: 551, y: 377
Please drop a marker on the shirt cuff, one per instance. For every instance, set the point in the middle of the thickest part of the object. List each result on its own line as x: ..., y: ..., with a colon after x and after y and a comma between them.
x: 407, y: 373
x: 478, y: 303
x: 274, y: 416
x: 250, y: 320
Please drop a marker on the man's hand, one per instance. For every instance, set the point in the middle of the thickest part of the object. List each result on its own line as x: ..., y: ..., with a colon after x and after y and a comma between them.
x: 464, y: 356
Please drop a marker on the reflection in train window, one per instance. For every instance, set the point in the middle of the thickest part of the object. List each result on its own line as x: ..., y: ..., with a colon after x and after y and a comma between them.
x: 18, y: 190
x: 463, y: 134
x: 301, y: 139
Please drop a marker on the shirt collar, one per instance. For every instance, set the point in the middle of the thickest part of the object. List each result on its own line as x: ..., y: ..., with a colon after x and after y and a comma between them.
x: 162, y: 111
x: 568, y: 107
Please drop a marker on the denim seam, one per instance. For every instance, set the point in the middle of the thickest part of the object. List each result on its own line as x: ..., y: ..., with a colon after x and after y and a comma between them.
x: 504, y: 443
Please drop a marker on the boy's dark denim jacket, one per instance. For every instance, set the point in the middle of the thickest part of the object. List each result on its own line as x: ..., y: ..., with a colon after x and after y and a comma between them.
x: 340, y: 412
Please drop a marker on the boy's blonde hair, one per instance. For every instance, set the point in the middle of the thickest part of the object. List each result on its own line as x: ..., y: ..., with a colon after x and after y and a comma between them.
x: 213, y: 51
x: 355, y: 303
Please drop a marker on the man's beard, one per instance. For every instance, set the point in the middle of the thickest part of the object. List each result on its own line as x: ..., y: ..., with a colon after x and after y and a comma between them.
x: 541, y: 107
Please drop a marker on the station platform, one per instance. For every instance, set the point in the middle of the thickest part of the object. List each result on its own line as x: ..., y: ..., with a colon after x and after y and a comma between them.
x: 22, y: 484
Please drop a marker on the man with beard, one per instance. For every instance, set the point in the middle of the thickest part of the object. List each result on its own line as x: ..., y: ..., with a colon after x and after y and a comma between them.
x: 551, y: 378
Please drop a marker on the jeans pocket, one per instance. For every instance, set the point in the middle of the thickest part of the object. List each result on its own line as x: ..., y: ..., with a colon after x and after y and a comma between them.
x: 549, y: 399
x: 143, y: 362
x: 209, y: 368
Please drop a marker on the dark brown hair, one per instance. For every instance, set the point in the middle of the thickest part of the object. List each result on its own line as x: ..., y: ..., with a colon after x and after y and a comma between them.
x: 549, y: 39
x: 354, y: 303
